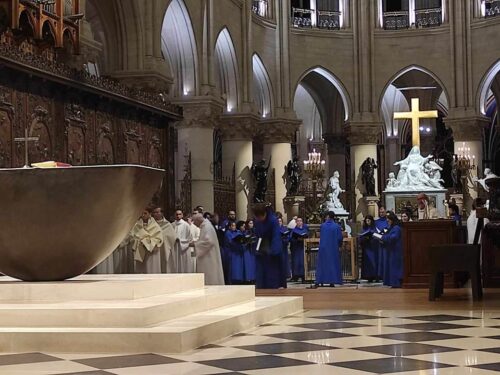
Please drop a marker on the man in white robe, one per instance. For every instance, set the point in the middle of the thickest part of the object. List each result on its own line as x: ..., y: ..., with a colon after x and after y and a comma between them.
x: 169, y: 237
x: 472, y: 221
x: 146, y: 241
x: 208, y: 259
x: 184, y: 263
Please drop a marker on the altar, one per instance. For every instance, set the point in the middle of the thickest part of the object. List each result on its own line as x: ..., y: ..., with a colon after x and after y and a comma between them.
x: 399, y: 201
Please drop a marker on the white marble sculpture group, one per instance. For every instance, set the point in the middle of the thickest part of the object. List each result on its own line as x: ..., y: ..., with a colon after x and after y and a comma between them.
x: 416, y: 173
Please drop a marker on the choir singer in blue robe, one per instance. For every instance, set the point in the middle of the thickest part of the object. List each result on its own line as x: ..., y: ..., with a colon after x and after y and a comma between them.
x: 370, y: 247
x: 394, y: 250
x: 381, y: 225
x: 328, y: 269
x: 269, y: 251
x: 297, y: 237
x: 285, y: 239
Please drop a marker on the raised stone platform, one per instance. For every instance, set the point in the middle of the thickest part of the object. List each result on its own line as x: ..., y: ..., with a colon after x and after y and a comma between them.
x: 129, y: 313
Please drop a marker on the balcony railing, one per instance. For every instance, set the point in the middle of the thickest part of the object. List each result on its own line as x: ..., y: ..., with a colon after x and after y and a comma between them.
x: 396, y: 20
x: 302, y: 17
x: 328, y: 20
x: 492, y: 8
x: 322, y: 19
x: 260, y: 8
x: 428, y: 17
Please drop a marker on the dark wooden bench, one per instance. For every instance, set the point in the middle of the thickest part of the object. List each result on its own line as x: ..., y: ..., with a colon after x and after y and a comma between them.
x: 452, y: 258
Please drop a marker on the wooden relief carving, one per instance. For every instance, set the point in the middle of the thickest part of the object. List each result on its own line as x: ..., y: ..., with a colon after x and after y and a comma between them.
x: 5, y: 139
x: 133, y: 140
x: 154, y: 155
x: 41, y: 150
x: 105, y: 150
x: 75, y: 134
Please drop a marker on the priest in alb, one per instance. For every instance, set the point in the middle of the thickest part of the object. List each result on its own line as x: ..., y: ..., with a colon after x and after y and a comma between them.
x: 184, y: 262
x: 208, y: 259
x: 169, y: 237
x: 146, y: 240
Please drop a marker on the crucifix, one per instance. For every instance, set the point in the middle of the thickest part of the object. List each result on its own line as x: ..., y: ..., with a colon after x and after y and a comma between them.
x: 26, y: 139
x: 415, y: 115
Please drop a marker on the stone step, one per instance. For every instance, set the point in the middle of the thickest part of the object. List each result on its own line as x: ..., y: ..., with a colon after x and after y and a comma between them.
x: 98, y: 287
x: 123, y: 313
x: 173, y: 336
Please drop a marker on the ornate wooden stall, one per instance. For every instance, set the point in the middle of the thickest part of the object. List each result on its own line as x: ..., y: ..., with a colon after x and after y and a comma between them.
x: 79, y: 118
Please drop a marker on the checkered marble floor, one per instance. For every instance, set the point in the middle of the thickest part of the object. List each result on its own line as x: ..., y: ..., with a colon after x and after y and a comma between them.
x: 313, y: 342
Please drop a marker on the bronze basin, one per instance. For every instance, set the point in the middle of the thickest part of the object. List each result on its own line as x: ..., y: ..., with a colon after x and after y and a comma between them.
x: 59, y: 223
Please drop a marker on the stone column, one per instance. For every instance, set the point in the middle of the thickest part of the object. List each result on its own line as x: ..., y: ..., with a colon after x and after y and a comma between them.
x: 277, y: 136
x: 237, y: 141
x: 195, y: 135
x: 363, y: 138
x: 469, y: 131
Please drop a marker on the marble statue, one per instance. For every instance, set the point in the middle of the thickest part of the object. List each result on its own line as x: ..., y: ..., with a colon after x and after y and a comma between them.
x: 333, y: 203
x: 416, y: 173
x: 487, y: 175
x: 391, y: 181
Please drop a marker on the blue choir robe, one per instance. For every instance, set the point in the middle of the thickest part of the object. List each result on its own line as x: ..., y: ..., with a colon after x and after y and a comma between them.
x: 285, y: 240
x: 328, y: 269
x: 297, y: 251
x: 370, y: 246
x: 249, y: 259
x: 394, y: 250
x: 237, y: 249
x: 381, y: 224
x: 269, y: 257
x: 226, y: 256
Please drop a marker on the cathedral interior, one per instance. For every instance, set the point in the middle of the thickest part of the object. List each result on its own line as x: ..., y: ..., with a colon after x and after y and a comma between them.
x: 297, y: 103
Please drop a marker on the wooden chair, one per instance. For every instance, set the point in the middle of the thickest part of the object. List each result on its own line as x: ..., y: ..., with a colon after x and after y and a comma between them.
x: 451, y: 258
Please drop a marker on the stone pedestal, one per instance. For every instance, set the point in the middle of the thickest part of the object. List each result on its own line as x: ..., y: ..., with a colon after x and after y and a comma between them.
x: 394, y: 200
x: 292, y: 206
x: 372, y: 204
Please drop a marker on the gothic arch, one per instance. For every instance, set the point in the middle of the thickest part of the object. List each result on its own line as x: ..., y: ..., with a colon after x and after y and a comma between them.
x: 178, y: 45
x: 411, y: 78
x: 335, y: 81
x: 263, y: 90
x: 483, y: 92
x: 227, y: 69
x: 406, y: 70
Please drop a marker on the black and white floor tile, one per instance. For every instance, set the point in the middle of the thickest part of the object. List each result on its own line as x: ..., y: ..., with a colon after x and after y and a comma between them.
x: 314, y: 342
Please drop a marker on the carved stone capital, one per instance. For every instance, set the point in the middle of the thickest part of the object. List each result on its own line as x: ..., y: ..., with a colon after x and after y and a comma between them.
x: 467, y: 128
x: 335, y: 142
x: 200, y: 113
x: 278, y: 130
x: 239, y: 127
x: 363, y: 133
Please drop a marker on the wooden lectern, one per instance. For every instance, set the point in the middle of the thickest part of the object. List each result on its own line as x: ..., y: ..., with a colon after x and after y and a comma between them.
x: 418, y: 237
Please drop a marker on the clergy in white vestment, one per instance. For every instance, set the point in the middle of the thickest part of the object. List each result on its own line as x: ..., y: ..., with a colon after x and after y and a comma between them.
x: 208, y: 259
x: 425, y: 209
x: 184, y: 260
x: 169, y: 237
x: 146, y: 240
x: 123, y: 257
x: 472, y: 221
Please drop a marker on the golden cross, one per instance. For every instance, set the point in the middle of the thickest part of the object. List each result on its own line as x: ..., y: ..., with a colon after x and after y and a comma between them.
x: 415, y: 115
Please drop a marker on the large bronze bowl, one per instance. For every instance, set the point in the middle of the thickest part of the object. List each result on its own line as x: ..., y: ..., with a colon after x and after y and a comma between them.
x: 59, y: 223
